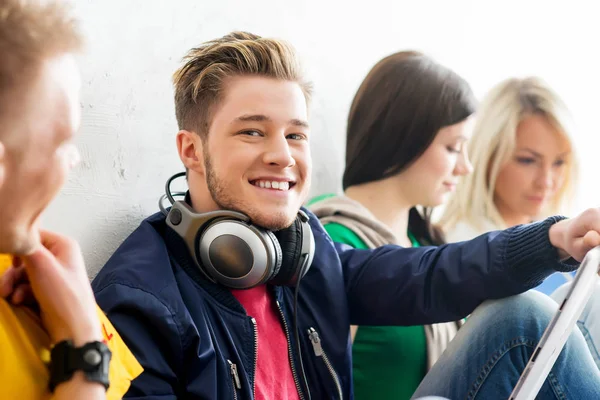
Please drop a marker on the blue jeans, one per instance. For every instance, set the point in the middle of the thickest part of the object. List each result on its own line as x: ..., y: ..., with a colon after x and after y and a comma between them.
x: 487, y: 356
x: 589, y: 320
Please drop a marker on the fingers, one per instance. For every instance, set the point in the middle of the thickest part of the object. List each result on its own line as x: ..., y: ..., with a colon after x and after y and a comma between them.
x: 6, y: 284
x: 52, y: 240
x: 591, y: 220
x: 581, y: 245
x: 17, y: 261
x: 23, y: 294
x: 41, y: 266
x: 11, y: 278
x: 62, y: 247
x: 591, y: 239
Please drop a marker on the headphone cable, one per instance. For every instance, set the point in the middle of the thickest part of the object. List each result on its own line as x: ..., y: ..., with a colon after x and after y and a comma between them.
x: 168, y: 186
x: 168, y: 194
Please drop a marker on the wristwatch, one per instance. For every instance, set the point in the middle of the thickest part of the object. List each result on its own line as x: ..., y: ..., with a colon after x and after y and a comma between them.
x: 92, y: 359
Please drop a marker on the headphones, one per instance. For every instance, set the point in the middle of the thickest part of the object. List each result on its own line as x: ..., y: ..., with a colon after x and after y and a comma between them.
x: 230, y: 250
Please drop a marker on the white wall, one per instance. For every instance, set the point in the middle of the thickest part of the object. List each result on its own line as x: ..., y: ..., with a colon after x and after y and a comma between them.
x: 127, y: 137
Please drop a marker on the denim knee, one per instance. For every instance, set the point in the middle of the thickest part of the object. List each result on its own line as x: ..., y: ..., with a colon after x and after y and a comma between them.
x: 531, y: 309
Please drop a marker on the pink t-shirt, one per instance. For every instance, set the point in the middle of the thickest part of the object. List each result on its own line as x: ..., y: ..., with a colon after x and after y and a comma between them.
x: 274, y: 378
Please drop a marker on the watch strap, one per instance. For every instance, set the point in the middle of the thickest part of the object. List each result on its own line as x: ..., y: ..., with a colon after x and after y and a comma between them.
x: 92, y: 359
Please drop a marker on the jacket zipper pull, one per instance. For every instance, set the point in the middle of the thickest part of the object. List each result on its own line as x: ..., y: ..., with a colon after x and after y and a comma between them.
x: 313, y: 335
x: 234, y: 374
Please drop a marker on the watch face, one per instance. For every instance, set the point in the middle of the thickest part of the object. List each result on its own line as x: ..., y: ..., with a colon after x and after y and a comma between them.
x: 92, y: 357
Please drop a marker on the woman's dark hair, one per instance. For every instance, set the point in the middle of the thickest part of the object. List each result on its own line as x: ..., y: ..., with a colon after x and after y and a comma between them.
x: 399, y: 108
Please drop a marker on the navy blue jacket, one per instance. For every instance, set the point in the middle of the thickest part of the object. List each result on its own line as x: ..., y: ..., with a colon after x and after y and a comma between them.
x: 195, y: 340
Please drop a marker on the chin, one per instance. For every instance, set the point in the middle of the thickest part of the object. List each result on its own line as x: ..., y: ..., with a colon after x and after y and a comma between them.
x: 435, y: 202
x: 534, y: 214
x: 273, y: 220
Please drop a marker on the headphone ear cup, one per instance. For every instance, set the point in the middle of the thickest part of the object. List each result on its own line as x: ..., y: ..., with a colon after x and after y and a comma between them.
x: 290, y: 240
x: 278, y: 254
x: 237, y: 255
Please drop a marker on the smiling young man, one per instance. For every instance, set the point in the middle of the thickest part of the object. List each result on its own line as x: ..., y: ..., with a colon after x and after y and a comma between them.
x: 242, y: 108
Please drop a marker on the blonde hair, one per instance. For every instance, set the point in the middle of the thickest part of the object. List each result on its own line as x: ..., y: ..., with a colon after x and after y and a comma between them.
x: 31, y: 32
x: 493, y: 143
x: 199, y: 82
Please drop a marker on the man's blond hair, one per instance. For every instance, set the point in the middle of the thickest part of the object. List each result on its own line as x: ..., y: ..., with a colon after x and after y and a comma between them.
x: 199, y: 82
x: 32, y: 31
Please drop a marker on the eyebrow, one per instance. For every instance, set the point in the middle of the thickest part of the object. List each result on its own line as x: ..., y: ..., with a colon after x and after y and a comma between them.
x: 264, y: 118
x: 536, y: 154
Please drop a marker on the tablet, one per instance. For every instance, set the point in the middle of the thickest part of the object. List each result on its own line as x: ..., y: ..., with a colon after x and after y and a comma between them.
x: 559, y: 329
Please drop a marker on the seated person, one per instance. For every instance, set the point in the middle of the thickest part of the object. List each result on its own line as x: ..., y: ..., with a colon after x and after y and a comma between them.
x: 39, y: 111
x: 405, y: 147
x: 240, y: 293
x: 524, y: 165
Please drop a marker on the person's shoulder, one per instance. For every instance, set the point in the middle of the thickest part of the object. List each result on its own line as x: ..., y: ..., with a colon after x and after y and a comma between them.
x: 142, y: 261
x: 313, y: 221
x: 321, y: 234
x: 342, y: 234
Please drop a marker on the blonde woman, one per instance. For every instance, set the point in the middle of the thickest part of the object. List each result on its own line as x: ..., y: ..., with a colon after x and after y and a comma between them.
x: 524, y: 166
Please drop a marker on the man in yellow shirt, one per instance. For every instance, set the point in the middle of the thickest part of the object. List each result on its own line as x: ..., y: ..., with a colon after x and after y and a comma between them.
x: 61, y: 345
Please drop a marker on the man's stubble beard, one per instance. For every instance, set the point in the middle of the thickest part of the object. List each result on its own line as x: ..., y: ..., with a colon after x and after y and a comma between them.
x: 225, y: 201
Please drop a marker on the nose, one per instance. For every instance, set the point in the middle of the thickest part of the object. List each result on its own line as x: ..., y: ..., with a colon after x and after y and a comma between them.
x: 463, y: 164
x: 278, y: 152
x: 545, y: 178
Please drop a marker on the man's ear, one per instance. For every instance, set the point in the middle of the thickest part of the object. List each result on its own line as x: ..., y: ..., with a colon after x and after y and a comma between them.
x: 189, y: 147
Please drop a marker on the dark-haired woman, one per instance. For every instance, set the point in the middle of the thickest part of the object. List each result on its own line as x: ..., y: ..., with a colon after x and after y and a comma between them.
x: 405, y: 152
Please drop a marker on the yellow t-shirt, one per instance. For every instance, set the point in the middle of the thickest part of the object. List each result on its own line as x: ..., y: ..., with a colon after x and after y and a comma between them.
x: 24, y: 345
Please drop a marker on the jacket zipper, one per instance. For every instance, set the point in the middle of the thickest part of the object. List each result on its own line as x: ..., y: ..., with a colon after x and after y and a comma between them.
x: 255, y: 355
x: 235, y: 379
x: 287, y: 334
x: 313, y: 335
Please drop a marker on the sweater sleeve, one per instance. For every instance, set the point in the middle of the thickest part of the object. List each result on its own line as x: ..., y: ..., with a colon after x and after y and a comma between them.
x: 411, y: 286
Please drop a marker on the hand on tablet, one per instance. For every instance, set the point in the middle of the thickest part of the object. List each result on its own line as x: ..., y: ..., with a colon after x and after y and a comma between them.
x: 576, y: 236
